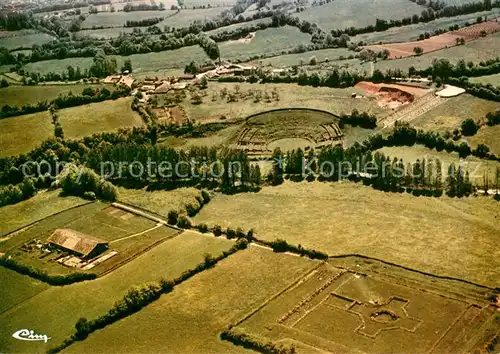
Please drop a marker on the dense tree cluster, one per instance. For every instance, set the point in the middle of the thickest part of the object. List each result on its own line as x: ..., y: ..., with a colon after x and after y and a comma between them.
x: 14, y: 21
x: 79, y: 180
x: 12, y: 194
x: 493, y: 118
x: 358, y: 119
x: 146, y: 22
x: 143, y: 7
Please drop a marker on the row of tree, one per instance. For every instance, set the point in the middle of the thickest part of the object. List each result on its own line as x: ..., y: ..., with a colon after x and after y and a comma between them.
x: 145, y: 22
x: 89, y: 95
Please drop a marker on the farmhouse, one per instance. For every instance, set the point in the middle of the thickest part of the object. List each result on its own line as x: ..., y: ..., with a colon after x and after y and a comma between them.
x: 80, y: 244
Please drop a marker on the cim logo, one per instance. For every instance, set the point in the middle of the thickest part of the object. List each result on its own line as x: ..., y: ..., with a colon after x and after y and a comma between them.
x: 29, y: 335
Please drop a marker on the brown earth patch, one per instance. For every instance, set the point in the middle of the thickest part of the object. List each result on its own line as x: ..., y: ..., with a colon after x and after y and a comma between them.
x: 391, y: 95
x: 174, y: 114
x: 445, y: 40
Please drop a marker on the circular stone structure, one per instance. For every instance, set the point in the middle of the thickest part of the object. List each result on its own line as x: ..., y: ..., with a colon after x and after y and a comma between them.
x: 289, y: 129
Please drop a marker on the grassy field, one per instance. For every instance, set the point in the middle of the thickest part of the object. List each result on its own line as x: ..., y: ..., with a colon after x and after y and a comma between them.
x: 99, y: 117
x: 91, y: 299
x: 172, y: 19
x: 489, y: 79
x: 21, y: 134
x: 340, y: 14
x: 120, y: 18
x: 150, y: 62
x: 40, y: 206
x: 333, y: 309
x: 27, y: 40
x: 453, y: 112
x: 488, y: 136
x: 238, y: 25
x: 297, y: 59
x: 199, y: 309
x: 104, y: 33
x: 268, y: 40
x: 22, y: 95
x: 411, y: 32
x: 475, y: 51
x: 477, y: 168
x: 160, y: 201
x: 221, y: 137
x: 336, y: 101
x: 344, y: 218
x: 17, y: 288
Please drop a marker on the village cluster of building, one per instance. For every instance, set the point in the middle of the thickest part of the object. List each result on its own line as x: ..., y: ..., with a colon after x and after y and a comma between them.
x: 160, y: 85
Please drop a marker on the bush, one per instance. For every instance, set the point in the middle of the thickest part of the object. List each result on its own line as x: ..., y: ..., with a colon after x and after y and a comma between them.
x: 217, y: 230
x: 230, y: 233
x: 191, y: 210
x: 172, y: 217
x: 203, y: 228
x: 89, y: 196
x: 469, y: 127
x: 183, y: 222
x: 206, y: 196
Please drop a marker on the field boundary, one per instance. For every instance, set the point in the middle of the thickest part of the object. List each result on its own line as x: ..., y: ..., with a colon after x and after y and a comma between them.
x: 443, y: 277
x: 292, y: 109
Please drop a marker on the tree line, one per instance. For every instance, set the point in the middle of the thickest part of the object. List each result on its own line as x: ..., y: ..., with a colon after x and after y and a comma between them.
x: 89, y: 95
x: 146, y: 22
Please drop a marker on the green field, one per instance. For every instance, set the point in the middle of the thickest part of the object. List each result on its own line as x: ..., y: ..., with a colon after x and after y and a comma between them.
x: 297, y: 59
x: 104, y: 33
x: 450, y: 114
x: 475, y: 51
x: 23, y: 95
x: 120, y: 18
x: 199, y: 309
x: 270, y: 40
x: 160, y: 201
x: 99, y: 117
x: 239, y: 25
x: 56, y: 310
x: 332, y: 100
x: 150, y: 62
x: 477, y: 167
x: 14, y: 216
x: 172, y: 19
x: 25, y: 41
x: 488, y: 136
x: 19, y: 135
x: 485, y: 80
x: 340, y: 14
x: 345, y: 218
x: 411, y: 32
x: 17, y: 288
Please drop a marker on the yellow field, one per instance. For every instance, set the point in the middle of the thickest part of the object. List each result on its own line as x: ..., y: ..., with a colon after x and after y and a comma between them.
x: 444, y: 236
x: 99, y: 117
x: 56, y: 310
x: 40, y: 206
x: 160, y: 201
x: 21, y: 134
x: 454, y: 111
x: 477, y: 167
x: 189, y: 319
x: 335, y: 101
x: 486, y: 135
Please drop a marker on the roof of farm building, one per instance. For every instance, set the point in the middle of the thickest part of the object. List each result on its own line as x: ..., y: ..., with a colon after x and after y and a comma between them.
x: 75, y: 241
